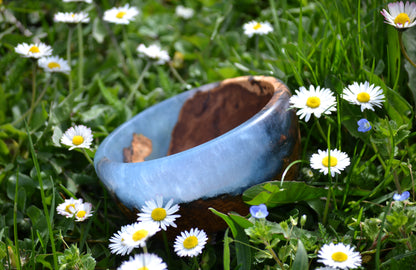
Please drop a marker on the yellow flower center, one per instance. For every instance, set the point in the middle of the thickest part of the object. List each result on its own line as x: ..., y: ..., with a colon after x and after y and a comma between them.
x: 158, y: 214
x: 34, y: 49
x: 257, y: 26
x: 325, y: 162
x: 339, y: 256
x: 190, y: 242
x: 77, y: 140
x: 143, y: 268
x: 53, y: 65
x: 313, y: 102
x: 120, y: 14
x: 363, y: 97
x: 402, y: 18
x: 68, y: 208
x: 139, y: 235
x: 81, y: 213
x: 72, y: 15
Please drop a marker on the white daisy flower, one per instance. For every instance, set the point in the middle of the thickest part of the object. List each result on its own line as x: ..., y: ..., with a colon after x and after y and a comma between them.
x: 146, y: 261
x: 119, y: 245
x: 184, y: 12
x: 338, y: 161
x: 77, y: 137
x: 120, y: 15
x: 339, y: 256
x: 364, y: 94
x: 190, y: 243
x: 139, y: 232
x: 400, y: 15
x: 307, y: 172
x: 154, y: 52
x: 315, y: 101
x: 69, y: 207
x: 259, y: 28
x: 69, y: 17
x: 84, y: 211
x: 54, y: 64
x: 155, y: 212
x: 86, y: 1
x: 36, y: 50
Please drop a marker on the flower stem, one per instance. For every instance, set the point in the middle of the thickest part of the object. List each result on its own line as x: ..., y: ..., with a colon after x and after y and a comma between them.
x: 320, y: 129
x: 176, y: 74
x: 87, y: 156
x: 43, y: 197
x: 166, y: 243
x: 139, y: 82
x: 80, y: 57
x: 379, y: 237
x: 68, y: 57
x: 326, y: 209
x: 128, y: 54
x: 403, y: 49
x: 196, y: 263
x: 409, y: 165
x: 32, y: 103
x: 396, y: 182
x: 377, y: 153
x: 328, y: 198
x: 274, y: 255
x: 117, y: 47
x: 16, y: 239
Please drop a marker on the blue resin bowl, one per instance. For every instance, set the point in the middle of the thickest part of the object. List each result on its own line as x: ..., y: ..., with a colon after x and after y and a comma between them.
x: 206, y: 157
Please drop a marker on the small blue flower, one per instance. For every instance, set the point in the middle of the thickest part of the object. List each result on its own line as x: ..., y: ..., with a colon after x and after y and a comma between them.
x: 363, y: 125
x: 401, y: 197
x: 259, y: 211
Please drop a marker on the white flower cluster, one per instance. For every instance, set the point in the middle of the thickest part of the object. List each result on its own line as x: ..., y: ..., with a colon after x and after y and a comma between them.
x: 319, y: 101
x: 154, y: 216
x: 75, y: 208
x: 42, y: 52
x: 154, y: 52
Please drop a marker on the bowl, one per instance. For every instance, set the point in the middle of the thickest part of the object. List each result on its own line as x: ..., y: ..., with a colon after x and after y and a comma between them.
x: 208, y: 145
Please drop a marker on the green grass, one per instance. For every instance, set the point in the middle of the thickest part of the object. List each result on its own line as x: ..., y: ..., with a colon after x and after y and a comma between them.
x: 326, y: 43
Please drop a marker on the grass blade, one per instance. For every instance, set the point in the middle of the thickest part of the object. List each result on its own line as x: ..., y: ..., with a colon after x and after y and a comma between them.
x: 42, y: 194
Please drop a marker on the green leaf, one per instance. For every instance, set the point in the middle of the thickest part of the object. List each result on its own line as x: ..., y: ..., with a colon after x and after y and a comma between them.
x: 3, y: 250
x: 110, y: 94
x: 243, y: 252
x: 41, y: 258
x: 38, y: 220
x: 241, y: 221
x: 227, y: 220
x: 24, y: 182
x: 301, y: 258
x: 56, y: 136
x: 98, y: 30
x: 94, y: 112
x: 197, y: 40
x: 226, y: 252
x: 4, y: 150
x: 273, y: 194
x: 59, y: 113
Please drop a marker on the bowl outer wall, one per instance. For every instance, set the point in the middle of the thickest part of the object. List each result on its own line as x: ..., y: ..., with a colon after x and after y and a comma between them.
x: 249, y: 154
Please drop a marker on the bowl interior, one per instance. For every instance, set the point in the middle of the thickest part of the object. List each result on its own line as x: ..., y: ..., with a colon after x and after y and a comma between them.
x: 209, y: 114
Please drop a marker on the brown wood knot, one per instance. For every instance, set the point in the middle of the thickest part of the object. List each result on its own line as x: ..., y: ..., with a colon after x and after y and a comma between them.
x: 140, y: 148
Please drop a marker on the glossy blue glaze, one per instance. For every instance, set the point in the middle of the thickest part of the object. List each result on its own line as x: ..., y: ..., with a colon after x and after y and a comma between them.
x: 247, y: 155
